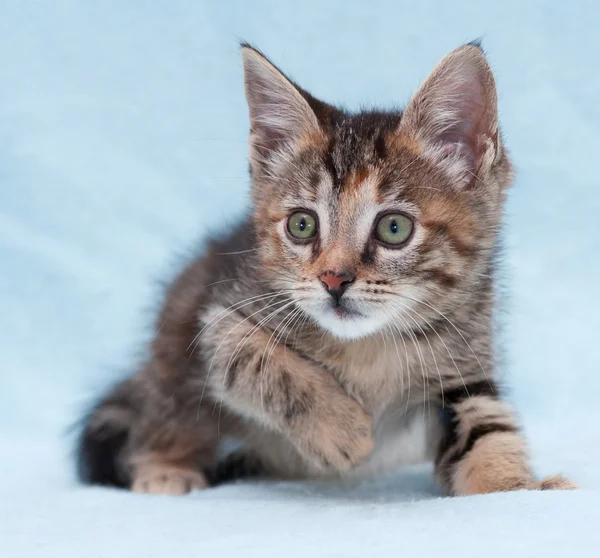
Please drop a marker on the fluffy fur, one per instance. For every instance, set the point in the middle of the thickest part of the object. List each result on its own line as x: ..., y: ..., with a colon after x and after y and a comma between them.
x: 396, y: 369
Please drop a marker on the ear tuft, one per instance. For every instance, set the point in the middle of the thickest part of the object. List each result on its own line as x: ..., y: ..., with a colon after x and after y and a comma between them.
x: 279, y: 114
x: 476, y: 43
x: 454, y: 114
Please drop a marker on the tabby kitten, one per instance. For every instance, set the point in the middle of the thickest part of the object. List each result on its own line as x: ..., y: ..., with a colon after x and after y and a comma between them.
x: 344, y: 328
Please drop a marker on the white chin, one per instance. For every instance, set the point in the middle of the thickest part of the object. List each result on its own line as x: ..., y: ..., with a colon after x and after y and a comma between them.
x: 348, y: 327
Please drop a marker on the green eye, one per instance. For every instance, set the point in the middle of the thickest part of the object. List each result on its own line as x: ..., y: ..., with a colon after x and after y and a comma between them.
x: 394, y: 228
x: 302, y: 225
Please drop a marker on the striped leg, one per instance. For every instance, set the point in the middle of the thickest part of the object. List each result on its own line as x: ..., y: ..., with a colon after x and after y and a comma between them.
x: 482, y: 449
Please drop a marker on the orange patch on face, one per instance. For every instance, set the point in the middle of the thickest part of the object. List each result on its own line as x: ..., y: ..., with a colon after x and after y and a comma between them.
x: 358, y: 177
x: 335, y: 259
x: 406, y: 142
x: 455, y: 215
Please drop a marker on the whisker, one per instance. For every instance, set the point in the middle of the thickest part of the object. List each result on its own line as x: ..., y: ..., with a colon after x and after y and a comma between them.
x: 250, y: 333
x: 393, y: 331
x: 238, y: 279
x: 407, y: 308
x: 243, y: 343
x: 457, y: 331
x: 263, y: 368
x: 270, y: 349
x: 230, y: 309
x: 234, y: 253
x: 227, y: 335
x: 291, y: 319
x: 413, y: 338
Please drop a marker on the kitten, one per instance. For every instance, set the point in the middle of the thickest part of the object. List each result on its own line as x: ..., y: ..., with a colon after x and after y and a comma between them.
x: 344, y: 328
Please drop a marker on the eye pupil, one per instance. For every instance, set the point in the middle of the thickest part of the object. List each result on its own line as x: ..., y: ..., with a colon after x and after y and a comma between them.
x: 394, y: 229
x: 302, y: 225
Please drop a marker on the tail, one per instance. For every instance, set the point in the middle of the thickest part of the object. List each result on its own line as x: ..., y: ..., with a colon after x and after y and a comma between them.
x: 103, y: 441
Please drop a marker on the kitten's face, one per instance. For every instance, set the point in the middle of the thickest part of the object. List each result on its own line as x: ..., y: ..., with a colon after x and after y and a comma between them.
x: 365, y: 223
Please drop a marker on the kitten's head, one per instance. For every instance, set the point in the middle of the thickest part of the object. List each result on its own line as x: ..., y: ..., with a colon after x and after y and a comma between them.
x: 377, y: 219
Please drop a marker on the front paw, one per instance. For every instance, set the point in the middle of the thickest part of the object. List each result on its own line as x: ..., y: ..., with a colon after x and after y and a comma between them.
x: 339, y: 438
x: 164, y: 479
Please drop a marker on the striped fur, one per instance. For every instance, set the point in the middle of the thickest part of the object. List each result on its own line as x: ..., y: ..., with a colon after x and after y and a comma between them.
x: 397, y: 368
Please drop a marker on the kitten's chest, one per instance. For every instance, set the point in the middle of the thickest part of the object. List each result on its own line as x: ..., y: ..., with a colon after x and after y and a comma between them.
x: 403, y: 436
x: 381, y: 374
x: 390, y: 385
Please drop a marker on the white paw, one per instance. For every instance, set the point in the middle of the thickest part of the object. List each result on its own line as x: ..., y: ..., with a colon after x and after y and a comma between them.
x: 167, y: 480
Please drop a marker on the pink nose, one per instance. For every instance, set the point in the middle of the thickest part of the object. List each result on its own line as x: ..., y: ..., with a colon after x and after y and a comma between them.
x: 336, y: 283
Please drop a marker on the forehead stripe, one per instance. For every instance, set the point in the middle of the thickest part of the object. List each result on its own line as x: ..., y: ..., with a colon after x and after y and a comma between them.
x: 336, y: 179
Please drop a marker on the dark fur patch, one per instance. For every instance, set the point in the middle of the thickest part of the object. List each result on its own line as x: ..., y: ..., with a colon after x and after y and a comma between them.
x: 449, y: 418
x: 344, y: 453
x: 356, y: 141
x: 476, y: 434
x: 483, y: 430
x: 268, y: 398
x: 285, y: 383
x: 333, y: 173
x: 422, y: 332
x: 104, y: 438
x: 484, y: 387
x: 239, y: 362
x: 368, y: 255
x: 299, y: 406
x: 237, y: 465
x: 442, y: 278
x: 450, y: 437
x: 380, y: 147
x: 97, y: 456
x: 295, y: 403
x: 99, y: 448
x: 442, y: 230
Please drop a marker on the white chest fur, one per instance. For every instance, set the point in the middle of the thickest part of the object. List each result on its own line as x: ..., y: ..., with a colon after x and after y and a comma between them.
x: 401, y: 438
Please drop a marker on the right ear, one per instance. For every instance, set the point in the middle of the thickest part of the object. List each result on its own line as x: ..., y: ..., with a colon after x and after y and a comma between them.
x: 279, y: 114
x: 454, y: 114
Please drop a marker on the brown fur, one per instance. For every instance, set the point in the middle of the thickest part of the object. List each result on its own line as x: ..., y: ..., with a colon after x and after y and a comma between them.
x: 395, y: 368
x: 497, y: 463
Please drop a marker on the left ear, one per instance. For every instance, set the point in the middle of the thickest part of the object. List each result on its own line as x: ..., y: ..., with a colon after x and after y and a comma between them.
x: 454, y: 115
x: 279, y: 115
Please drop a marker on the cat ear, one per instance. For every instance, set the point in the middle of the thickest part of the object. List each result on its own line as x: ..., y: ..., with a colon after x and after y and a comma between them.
x: 279, y: 114
x: 454, y: 116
